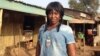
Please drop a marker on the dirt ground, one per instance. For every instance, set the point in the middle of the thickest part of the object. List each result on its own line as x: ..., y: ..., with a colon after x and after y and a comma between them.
x: 85, y: 50
x: 23, y: 51
x: 88, y: 51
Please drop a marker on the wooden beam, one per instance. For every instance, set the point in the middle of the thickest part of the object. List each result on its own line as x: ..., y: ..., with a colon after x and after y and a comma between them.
x: 1, y: 14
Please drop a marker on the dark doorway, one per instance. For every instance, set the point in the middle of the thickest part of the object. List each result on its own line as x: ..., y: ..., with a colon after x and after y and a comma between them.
x: 28, y: 23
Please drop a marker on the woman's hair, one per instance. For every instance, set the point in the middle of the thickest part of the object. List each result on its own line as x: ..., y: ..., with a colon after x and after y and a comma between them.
x: 57, y: 7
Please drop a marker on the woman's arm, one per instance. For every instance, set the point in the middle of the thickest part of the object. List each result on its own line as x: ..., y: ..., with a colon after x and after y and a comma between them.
x: 38, y: 49
x: 71, y: 49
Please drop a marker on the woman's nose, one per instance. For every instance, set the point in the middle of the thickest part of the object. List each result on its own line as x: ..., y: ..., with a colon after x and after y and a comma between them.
x: 53, y: 15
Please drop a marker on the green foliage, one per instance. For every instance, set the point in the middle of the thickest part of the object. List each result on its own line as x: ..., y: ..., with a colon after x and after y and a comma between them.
x: 84, y: 5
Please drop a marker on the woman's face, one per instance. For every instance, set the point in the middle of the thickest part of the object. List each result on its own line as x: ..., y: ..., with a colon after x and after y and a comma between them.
x: 54, y: 17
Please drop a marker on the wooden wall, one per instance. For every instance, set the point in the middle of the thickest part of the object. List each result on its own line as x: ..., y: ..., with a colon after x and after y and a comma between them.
x: 12, y: 29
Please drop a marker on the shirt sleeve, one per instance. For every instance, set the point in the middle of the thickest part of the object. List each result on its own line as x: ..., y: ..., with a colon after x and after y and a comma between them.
x: 39, y: 38
x: 40, y: 33
x: 68, y: 34
x: 69, y: 38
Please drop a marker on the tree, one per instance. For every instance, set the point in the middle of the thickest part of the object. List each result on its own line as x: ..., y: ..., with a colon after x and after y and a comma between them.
x: 90, y: 6
x: 73, y: 4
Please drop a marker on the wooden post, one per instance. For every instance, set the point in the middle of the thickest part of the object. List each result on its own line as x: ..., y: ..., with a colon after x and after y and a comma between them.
x: 98, y: 28
x: 1, y: 14
x: 1, y: 40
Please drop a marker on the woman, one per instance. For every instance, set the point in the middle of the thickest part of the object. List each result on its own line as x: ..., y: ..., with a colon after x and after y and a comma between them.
x: 55, y: 38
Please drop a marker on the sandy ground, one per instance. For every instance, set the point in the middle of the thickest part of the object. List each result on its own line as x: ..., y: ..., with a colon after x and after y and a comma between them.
x: 30, y: 51
x: 84, y: 50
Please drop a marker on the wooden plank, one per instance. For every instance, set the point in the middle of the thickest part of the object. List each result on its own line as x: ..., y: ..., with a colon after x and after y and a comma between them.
x: 1, y: 39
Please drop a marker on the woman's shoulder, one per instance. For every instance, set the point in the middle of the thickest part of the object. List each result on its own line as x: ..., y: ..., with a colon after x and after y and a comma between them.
x: 65, y: 28
x: 42, y: 27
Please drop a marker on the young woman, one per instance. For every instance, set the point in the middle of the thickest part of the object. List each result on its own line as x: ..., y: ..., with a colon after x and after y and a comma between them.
x: 55, y: 38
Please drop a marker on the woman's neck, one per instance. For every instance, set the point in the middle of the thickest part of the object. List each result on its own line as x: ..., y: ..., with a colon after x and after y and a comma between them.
x: 51, y: 26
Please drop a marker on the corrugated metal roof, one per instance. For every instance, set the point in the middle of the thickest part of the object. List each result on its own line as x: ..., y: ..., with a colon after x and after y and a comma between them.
x: 11, y: 5
x: 21, y: 7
